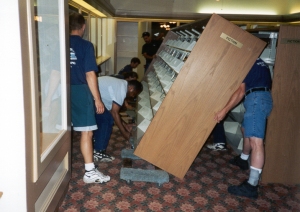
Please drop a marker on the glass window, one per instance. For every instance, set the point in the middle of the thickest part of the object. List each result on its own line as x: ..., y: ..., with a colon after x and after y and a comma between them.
x: 50, y: 71
x: 99, y: 37
x: 93, y: 31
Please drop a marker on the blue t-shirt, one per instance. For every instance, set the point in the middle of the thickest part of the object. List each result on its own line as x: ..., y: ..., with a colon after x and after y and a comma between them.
x: 127, y: 68
x: 82, y: 59
x: 258, y: 76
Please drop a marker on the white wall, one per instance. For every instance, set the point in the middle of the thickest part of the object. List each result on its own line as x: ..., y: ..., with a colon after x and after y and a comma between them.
x: 12, y: 150
x: 127, y: 43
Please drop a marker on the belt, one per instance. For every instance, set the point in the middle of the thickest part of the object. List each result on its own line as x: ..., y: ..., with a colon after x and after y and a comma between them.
x: 256, y: 89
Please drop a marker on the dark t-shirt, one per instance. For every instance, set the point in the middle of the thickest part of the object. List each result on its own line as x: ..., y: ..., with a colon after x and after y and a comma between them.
x: 126, y: 69
x: 258, y: 76
x: 82, y: 59
x: 150, y: 49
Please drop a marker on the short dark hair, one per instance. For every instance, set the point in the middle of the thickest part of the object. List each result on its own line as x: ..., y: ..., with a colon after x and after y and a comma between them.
x: 76, y: 21
x: 135, y: 60
x: 131, y: 74
x: 145, y: 34
x: 138, y: 86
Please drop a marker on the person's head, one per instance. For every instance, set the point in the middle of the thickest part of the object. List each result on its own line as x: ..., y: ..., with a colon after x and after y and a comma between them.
x: 76, y: 23
x: 130, y: 76
x: 146, y: 36
x: 135, y: 62
x: 134, y: 88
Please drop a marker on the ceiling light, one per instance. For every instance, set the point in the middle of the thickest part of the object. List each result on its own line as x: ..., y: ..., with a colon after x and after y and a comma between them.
x: 165, y: 26
x: 237, y: 10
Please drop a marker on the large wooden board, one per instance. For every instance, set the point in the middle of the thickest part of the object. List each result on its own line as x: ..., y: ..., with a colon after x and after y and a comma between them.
x: 283, y: 130
x: 214, y: 70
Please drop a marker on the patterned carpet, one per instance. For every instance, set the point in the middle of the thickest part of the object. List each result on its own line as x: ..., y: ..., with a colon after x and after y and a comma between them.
x: 204, y: 187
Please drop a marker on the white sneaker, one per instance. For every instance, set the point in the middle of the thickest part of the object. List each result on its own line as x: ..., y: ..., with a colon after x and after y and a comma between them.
x: 105, y: 177
x: 217, y: 146
x: 95, y: 176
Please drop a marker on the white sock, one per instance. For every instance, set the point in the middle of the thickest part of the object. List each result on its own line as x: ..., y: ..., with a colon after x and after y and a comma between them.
x: 89, y: 166
x: 244, y: 157
x: 259, y: 170
x: 254, y: 176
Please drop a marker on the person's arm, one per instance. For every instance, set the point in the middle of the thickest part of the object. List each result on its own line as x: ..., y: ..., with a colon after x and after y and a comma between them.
x: 115, y: 113
x: 148, y: 56
x: 128, y: 106
x: 236, y: 97
x: 93, y: 85
x: 144, y: 53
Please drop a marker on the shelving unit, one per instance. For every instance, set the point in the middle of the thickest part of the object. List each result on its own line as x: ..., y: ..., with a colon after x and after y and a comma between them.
x: 185, y: 90
x: 282, y: 136
x: 162, y: 73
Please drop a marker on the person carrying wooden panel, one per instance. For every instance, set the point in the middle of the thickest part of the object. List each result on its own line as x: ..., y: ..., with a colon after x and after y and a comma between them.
x: 258, y: 103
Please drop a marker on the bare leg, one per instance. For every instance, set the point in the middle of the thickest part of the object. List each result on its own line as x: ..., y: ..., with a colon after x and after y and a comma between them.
x: 249, y: 188
x: 257, y: 154
x: 86, y: 146
x: 246, y: 144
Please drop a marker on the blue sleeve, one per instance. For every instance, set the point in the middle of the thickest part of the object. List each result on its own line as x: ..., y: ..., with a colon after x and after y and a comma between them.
x: 90, y: 62
x: 125, y: 69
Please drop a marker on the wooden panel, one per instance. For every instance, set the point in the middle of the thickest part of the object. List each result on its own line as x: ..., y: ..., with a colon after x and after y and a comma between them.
x: 283, y: 134
x: 211, y: 74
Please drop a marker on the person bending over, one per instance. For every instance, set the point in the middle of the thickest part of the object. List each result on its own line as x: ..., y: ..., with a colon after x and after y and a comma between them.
x: 113, y: 92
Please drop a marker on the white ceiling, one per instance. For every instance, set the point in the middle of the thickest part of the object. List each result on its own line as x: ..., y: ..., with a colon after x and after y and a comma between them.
x: 274, y: 10
x: 263, y: 7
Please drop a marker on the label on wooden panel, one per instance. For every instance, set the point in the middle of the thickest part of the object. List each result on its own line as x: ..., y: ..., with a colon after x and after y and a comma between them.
x: 290, y: 41
x: 231, y: 40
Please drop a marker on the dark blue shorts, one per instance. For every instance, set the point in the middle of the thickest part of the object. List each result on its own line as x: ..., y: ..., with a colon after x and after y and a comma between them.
x: 82, y: 108
x: 258, y: 107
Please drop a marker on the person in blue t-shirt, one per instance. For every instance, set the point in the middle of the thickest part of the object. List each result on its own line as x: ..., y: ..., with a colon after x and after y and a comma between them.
x: 127, y: 71
x: 85, y: 96
x: 258, y: 104
x: 133, y: 64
